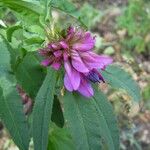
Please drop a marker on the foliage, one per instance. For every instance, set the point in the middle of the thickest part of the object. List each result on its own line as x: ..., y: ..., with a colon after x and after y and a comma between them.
x: 83, y: 123
x: 135, y: 19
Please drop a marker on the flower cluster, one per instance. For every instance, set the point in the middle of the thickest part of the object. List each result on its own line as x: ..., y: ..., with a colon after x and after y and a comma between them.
x: 81, y: 64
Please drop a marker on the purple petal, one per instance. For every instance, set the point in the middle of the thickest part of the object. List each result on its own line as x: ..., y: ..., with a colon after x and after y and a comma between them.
x: 85, y: 88
x: 77, y: 62
x: 73, y: 75
x: 67, y: 83
x: 56, y: 65
x: 95, y: 76
x: 86, y: 43
x: 71, y: 30
x: 58, y: 53
x: 46, y: 62
x: 70, y: 33
x: 65, y: 56
x: 93, y: 60
x: 55, y: 46
x: 64, y: 44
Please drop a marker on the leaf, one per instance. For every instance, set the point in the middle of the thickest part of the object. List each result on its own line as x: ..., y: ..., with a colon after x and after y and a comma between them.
x: 91, y: 122
x: 4, y: 54
x: 29, y: 74
x: 60, y: 139
x: 109, y: 116
x: 28, y: 10
x: 11, y: 111
x: 11, y: 30
x: 65, y: 6
x: 43, y: 110
x: 118, y: 78
x: 47, y: 10
x: 8, y: 56
x: 32, y: 44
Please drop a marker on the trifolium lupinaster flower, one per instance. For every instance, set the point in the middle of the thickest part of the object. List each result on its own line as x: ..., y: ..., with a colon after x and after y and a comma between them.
x: 74, y: 51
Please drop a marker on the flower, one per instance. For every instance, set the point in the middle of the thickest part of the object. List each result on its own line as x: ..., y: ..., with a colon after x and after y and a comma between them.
x: 81, y: 64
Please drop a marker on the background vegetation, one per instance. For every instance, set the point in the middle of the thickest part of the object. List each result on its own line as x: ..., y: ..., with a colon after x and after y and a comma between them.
x: 122, y: 29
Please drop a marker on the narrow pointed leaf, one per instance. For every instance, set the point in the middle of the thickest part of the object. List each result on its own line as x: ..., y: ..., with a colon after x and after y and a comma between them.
x: 4, y: 54
x: 43, y: 110
x: 110, y: 120
x: 83, y: 121
x: 11, y: 112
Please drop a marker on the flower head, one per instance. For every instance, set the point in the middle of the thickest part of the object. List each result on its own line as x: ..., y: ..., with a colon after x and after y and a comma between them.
x: 81, y: 64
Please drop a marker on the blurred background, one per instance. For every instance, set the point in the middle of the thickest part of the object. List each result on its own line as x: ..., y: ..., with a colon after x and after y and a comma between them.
x: 122, y: 29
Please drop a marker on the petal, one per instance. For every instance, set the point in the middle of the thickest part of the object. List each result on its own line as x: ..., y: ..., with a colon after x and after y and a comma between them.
x: 70, y: 33
x: 58, y: 53
x: 95, y: 76
x: 93, y: 60
x: 73, y: 75
x: 67, y: 83
x: 64, y: 44
x: 46, y: 62
x: 85, y: 88
x: 71, y: 30
x: 65, y: 56
x: 77, y: 62
x: 85, y: 43
x: 56, y: 46
x: 56, y: 65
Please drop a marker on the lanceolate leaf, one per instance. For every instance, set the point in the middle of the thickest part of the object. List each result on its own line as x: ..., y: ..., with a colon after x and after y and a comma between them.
x: 83, y: 121
x: 4, y: 54
x: 109, y: 118
x: 11, y: 112
x: 88, y: 122
x: 118, y: 78
x: 43, y: 110
x: 8, y: 55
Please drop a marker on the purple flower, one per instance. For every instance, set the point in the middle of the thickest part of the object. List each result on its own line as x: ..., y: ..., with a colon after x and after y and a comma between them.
x: 81, y: 64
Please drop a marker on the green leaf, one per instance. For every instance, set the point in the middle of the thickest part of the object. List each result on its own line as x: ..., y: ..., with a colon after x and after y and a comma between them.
x: 32, y: 44
x: 65, y: 6
x: 47, y: 9
x: 60, y: 139
x: 28, y: 10
x: 91, y: 121
x: 4, y: 54
x: 30, y: 75
x: 8, y: 55
x: 118, y: 78
x: 107, y: 112
x: 11, y: 30
x: 11, y: 111
x: 43, y: 110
